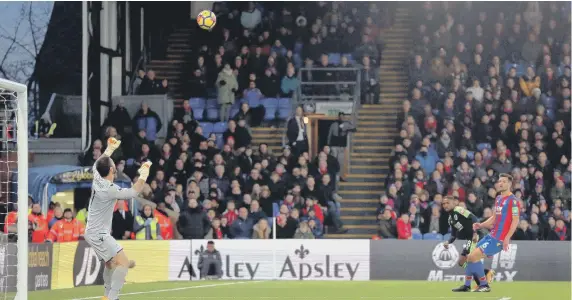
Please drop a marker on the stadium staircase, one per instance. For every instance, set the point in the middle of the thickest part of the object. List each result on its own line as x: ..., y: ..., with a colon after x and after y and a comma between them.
x: 273, y: 137
x: 372, y: 144
x: 176, y: 63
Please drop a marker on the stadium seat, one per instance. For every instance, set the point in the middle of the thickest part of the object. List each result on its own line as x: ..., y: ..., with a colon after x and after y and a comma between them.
x: 446, y: 237
x: 334, y: 58
x: 284, y: 108
x: 233, y: 112
x: 219, y: 140
x: 275, y: 209
x: 212, y: 103
x: 254, y: 102
x: 270, y: 102
x: 219, y: 127
x: 270, y: 222
x: 270, y: 113
x: 199, y: 113
x: 212, y: 114
x: 350, y: 58
x: 197, y: 103
x: 207, y: 128
x: 433, y: 237
x: 298, y: 47
x: 416, y: 236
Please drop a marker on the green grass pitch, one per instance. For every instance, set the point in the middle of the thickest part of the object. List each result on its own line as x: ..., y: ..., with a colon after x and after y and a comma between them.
x: 309, y: 290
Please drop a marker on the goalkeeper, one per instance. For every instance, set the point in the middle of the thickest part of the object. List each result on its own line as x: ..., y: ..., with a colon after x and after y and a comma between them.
x: 104, y: 194
x: 461, y: 221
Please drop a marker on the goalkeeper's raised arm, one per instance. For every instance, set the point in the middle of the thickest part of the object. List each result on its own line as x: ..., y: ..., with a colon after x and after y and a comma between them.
x: 105, y: 165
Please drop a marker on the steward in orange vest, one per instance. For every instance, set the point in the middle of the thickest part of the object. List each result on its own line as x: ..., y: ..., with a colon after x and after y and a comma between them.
x: 67, y: 229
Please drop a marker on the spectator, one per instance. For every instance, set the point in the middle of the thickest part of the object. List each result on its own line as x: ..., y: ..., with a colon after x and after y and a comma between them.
x: 404, y: 227
x: 146, y: 226
x: 529, y: 82
x: 289, y: 84
x: 148, y: 120
x: 193, y: 222
x: 251, y: 17
x: 261, y: 230
x: 304, y: 232
x: 241, y: 228
x: 227, y: 86
x: 123, y: 222
x: 296, y: 132
x: 216, y: 232
x: 152, y: 86
x: 387, y: 227
x: 523, y: 232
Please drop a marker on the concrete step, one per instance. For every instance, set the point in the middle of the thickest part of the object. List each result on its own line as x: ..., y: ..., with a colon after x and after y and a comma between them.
x: 361, y: 142
x: 352, y: 186
x: 368, y: 202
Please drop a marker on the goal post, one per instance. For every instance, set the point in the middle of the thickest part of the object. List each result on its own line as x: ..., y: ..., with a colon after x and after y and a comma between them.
x: 15, y: 96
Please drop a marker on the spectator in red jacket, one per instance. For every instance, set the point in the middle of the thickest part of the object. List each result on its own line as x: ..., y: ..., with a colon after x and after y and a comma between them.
x: 404, y: 227
x: 311, y: 204
x: 231, y: 213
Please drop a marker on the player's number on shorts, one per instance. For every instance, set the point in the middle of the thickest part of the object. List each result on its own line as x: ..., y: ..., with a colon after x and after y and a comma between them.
x: 485, y: 245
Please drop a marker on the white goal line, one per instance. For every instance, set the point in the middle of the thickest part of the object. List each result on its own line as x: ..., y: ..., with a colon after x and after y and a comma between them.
x: 173, y: 289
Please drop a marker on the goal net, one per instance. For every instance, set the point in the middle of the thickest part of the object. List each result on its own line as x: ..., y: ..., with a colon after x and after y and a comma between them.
x: 13, y: 201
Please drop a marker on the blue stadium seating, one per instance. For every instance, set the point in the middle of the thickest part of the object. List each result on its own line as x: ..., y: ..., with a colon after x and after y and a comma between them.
x: 212, y: 114
x: 275, y: 209
x: 207, y: 128
x: 334, y: 58
x: 446, y: 237
x: 433, y: 237
x: 271, y: 105
x: 416, y: 236
x: 284, y: 108
x: 197, y: 103
x: 212, y: 103
x: 255, y: 102
x: 219, y: 141
x: 199, y: 113
x: 220, y: 127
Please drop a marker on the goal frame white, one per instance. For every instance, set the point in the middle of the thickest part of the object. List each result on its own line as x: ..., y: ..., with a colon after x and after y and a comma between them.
x: 22, y: 150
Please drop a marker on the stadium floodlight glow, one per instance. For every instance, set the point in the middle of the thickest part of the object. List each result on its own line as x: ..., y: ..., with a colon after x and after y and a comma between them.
x: 14, y: 138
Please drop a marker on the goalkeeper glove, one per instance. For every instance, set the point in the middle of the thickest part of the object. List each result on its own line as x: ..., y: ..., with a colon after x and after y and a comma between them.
x: 144, y: 170
x: 112, y: 145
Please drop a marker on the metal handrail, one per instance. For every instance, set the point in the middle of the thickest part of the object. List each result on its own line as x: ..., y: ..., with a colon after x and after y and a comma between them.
x: 141, y: 64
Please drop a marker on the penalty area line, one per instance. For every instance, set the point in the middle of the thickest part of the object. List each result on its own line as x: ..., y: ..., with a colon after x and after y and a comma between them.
x: 173, y: 289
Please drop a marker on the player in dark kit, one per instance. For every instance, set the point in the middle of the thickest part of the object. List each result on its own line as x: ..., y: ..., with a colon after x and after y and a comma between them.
x: 461, y: 221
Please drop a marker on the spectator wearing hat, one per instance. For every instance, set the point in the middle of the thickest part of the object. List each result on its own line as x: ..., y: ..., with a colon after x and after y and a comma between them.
x: 146, y: 226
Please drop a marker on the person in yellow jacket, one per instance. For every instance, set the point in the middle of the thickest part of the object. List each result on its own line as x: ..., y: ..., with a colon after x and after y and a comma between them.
x: 529, y: 82
x: 146, y: 226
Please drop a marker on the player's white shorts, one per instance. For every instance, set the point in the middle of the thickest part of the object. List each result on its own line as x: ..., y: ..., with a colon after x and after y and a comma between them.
x: 104, y: 245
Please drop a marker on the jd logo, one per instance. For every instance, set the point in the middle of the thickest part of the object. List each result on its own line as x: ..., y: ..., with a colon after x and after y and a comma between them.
x: 314, y: 267
x: 230, y: 269
x: 87, y: 268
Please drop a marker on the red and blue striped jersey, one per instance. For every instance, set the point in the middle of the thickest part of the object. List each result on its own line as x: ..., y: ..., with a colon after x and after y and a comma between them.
x: 505, y: 209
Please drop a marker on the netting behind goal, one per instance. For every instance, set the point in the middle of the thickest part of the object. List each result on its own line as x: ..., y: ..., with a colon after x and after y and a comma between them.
x: 13, y: 159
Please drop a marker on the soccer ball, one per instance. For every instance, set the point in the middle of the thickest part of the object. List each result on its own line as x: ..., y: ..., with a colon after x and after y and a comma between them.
x: 206, y: 19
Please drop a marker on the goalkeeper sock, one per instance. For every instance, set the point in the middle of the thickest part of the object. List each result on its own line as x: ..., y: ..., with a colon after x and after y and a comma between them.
x: 107, y: 280
x: 117, y: 281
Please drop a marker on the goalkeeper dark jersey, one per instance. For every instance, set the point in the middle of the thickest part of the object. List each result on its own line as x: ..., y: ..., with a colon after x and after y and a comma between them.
x: 461, y: 221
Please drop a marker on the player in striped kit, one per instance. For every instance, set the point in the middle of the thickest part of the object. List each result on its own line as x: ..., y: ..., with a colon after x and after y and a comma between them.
x: 504, y: 222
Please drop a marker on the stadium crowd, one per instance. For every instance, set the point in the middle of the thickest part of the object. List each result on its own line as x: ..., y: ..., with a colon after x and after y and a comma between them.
x: 214, y: 186
x: 489, y: 94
